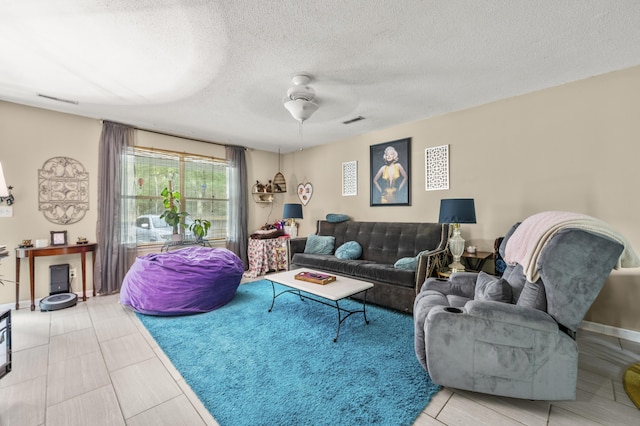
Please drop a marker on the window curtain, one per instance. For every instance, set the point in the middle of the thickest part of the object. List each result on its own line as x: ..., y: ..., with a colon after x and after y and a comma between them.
x: 237, y: 216
x: 116, y: 248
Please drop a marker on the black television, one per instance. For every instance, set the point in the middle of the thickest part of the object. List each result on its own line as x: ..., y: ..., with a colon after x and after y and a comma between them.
x: 5, y: 343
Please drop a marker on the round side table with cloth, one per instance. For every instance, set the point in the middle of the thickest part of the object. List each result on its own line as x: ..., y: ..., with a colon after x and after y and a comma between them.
x: 186, y: 281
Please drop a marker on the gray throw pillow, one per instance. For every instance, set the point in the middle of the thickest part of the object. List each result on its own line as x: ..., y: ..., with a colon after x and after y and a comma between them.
x: 492, y: 288
x: 317, y: 244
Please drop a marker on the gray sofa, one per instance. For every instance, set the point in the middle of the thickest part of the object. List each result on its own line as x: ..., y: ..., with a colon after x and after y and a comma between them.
x: 383, y: 244
x: 509, y: 336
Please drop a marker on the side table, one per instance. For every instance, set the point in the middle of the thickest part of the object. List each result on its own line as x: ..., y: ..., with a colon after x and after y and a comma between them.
x: 267, y: 255
x: 474, y: 262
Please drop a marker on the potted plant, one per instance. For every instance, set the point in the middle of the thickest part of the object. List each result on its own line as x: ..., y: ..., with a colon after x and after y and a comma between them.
x: 171, y: 215
x: 200, y: 228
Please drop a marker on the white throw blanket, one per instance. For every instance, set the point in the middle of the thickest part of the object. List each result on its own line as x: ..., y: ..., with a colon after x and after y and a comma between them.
x: 528, y: 240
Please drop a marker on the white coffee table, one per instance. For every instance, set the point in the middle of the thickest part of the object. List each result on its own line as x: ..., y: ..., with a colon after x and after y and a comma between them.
x: 329, y: 294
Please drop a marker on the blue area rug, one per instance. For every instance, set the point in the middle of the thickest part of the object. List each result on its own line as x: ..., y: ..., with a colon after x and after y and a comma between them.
x: 253, y: 367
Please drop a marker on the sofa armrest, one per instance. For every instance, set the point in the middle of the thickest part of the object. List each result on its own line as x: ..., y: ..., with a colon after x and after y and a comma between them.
x: 296, y: 245
x: 428, y: 262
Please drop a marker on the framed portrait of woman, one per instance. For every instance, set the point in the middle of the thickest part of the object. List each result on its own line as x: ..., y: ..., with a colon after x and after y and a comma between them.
x: 391, y: 173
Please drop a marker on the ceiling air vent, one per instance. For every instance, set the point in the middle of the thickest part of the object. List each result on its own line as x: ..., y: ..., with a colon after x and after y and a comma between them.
x: 353, y: 120
x: 53, y: 98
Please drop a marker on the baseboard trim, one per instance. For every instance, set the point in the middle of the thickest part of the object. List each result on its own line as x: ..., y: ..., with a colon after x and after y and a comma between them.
x: 26, y: 304
x: 608, y: 330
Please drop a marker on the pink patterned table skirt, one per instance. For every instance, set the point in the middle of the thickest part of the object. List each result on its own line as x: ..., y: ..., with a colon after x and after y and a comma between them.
x: 263, y: 256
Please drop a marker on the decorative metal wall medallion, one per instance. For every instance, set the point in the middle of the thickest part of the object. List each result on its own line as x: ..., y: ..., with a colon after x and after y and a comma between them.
x: 63, y: 190
x: 437, y: 168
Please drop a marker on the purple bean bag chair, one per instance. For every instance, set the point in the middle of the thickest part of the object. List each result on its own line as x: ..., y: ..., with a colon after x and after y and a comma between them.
x: 186, y: 281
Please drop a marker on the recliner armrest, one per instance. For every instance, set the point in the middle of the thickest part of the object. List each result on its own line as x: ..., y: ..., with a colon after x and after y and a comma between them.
x: 463, y: 288
x: 501, y: 349
x: 512, y: 314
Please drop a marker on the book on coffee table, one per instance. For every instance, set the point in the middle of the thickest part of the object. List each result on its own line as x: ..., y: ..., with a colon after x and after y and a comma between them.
x: 315, y: 277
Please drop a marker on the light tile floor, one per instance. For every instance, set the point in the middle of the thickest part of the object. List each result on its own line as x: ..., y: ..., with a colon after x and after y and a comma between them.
x: 95, y: 364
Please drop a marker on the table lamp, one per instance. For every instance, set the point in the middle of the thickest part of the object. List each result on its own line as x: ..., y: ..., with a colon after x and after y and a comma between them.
x: 293, y: 212
x: 456, y: 211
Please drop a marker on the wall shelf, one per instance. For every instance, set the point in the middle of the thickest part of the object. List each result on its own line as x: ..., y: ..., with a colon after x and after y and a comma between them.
x: 262, y: 197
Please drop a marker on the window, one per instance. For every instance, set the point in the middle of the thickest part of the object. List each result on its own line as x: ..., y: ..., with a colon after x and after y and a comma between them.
x: 202, y: 183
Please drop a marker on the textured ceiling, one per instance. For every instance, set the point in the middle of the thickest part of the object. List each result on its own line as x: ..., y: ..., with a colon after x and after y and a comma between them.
x: 219, y: 70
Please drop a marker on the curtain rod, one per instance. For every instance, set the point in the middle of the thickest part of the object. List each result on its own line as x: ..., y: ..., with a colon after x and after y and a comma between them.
x: 176, y: 136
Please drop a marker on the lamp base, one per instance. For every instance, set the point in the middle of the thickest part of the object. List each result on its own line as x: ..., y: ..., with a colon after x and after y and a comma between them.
x: 456, y: 266
x: 291, y: 231
x: 456, y: 246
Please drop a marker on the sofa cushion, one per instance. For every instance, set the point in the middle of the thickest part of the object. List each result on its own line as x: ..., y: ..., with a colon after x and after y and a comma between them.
x: 349, y: 250
x: 337, y: 218
x: 492, y: 288
x: 357, y: 268
x: 317, y: 244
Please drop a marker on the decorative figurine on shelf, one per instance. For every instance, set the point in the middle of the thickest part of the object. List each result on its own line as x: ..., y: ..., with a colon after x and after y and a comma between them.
x: 269, y: 187
x: 260, y: 187
x: 25, y: 244
x: 82, y: 240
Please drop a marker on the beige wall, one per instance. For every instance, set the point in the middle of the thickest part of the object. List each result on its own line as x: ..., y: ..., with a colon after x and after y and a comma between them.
x: 572, y: 147
x: 29, y: 137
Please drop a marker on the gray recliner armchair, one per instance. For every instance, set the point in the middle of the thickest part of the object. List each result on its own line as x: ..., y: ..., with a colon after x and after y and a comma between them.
x: 507, y: 335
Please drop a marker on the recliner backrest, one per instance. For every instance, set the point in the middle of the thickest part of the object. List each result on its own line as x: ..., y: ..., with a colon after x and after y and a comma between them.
x: 573, y: 266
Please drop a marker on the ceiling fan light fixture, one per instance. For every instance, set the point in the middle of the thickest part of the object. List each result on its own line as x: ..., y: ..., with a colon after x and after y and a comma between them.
x: 299, y: 99
x: 300, y: 109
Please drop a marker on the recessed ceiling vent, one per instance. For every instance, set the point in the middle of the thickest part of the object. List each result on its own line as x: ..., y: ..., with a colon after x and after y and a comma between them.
x: 353, y: 120
x: 53, y: 98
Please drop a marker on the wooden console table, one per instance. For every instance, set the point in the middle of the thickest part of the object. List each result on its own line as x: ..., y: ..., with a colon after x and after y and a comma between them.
x: 32, y: 252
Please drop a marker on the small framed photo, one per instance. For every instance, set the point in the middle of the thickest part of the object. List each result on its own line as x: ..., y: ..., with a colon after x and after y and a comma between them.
x: 58, y: 238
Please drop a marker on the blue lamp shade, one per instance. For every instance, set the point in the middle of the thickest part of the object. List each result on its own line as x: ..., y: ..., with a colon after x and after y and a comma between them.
x: 457, y: 210
x: 292, y: 211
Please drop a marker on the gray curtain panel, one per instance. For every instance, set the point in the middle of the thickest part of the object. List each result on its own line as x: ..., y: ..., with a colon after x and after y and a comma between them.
x: 237, y: 217
x: 116, y: 249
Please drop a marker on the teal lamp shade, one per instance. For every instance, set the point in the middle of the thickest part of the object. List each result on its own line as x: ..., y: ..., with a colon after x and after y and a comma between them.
x: 292, y: 211
x: 457, y: 211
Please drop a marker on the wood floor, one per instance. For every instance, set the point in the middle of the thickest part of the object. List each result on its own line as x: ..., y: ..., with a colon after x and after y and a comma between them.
x: 95, y: 364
